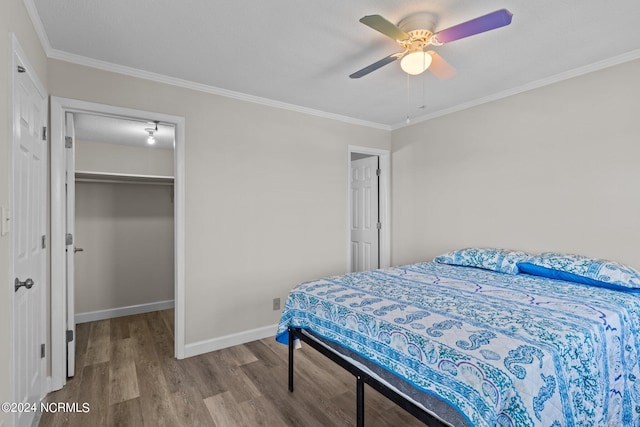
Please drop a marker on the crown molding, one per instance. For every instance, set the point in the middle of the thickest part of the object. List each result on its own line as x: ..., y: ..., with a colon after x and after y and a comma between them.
x: 609, y: 62
x: 37, y: 25
x: 160, y: 78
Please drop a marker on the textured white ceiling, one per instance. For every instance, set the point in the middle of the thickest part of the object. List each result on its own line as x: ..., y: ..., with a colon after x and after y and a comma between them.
x: 301, y: 52
x: 116, y: 130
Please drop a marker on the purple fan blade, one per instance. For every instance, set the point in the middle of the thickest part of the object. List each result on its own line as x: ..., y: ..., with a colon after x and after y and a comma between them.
x: 491, y: 21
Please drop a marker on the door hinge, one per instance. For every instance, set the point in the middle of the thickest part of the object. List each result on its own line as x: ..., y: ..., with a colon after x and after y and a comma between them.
x: 21, y: 69
x: 69, y: 335
x: 379, y: 226
x: 68, y: 239
x: 68, y: 142
x: 42, y: 351
x: 44, y: 241
x: 378, y: 172
x: 44, y: 133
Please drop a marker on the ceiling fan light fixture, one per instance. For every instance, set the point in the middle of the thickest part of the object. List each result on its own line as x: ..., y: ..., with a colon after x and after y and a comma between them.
x: 415, y: 62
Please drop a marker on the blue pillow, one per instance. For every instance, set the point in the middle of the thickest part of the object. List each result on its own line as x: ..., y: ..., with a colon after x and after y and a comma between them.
x: 500, y: 260
x: 582, y: 269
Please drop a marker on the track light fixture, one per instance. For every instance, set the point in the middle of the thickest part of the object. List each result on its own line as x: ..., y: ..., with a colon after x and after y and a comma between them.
x: 151, y: 139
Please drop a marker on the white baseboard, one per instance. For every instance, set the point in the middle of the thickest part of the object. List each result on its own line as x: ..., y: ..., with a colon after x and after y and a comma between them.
x: 92, y: 316
x: 214, y: 344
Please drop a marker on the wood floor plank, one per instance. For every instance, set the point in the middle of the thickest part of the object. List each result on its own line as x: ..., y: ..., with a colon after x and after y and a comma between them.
x: 145, y: 346
x: 128, y: 374
x: 94, y: 382
x: 224, y: 410
x: 241, y: 386
x: 264, y: 353
x: 238, y: 355
x: 157, y: 326
x: 123, y: 380
x: 119, y: 328
x: 98, y: 344
x: 155, y: 399
x: 206, y: 377
x: 168, y: 317
x: 190, y: 408
x: 297, y: 408
x: 125, y: 414
x: 175, y: 371
x: 82, y: 341
x: 326, y: 383
x: 262, y: 412
x: 55, y: 419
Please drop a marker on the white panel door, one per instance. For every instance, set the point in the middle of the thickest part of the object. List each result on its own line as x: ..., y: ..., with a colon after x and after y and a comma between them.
x: 364, y: 214
x: 70, y: 187
x: 29, y: 157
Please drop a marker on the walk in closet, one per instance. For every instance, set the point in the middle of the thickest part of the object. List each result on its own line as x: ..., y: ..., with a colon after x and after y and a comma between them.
x: 124, y: 217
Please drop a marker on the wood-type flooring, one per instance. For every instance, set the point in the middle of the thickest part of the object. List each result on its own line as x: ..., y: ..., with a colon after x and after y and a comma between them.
x: 126, y: 373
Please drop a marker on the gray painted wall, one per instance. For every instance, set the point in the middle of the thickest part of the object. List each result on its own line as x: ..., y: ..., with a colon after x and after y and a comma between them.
x: 555, y: 168
x: 126, y: 231
x: 266, y: 195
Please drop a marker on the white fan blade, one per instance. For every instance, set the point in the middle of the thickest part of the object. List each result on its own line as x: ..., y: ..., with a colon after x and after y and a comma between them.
x: 439, y: 67
x: 387, y: 28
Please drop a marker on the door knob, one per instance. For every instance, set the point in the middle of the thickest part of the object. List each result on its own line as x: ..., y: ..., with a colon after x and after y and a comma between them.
x: 27, y: 284
x: 77, y: 249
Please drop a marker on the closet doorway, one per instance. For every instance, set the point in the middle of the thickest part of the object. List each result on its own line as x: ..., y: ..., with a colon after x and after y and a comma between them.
x: 123, y: 238
x: 117, y: 209
x: 369, y: 226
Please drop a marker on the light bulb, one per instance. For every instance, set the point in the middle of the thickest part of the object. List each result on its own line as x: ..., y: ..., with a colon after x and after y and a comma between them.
x: 415, y: 62
x: 151, y: 139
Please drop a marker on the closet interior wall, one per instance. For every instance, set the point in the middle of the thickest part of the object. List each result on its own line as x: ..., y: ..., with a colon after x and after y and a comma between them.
x: 125, y: 228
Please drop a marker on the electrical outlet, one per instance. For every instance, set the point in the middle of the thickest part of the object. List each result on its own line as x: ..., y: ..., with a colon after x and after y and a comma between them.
x: 276, y: 303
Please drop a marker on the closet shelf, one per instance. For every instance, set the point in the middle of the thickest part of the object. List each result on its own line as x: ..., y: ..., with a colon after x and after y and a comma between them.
x: 123, y: 178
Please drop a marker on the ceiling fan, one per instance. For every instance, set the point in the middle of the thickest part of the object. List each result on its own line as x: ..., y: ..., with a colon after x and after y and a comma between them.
x: 415, y: 32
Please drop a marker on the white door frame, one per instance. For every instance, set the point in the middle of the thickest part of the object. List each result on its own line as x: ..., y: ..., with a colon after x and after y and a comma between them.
x: 70, y: 226
x: 384, y: 202
x: 59, y: 106
x: 18, y: 55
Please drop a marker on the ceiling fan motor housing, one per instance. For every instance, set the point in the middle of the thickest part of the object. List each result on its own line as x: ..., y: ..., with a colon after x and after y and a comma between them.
x: 420, y: 27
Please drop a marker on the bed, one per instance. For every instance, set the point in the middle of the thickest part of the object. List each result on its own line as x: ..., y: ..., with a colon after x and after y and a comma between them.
x: 488, y: 346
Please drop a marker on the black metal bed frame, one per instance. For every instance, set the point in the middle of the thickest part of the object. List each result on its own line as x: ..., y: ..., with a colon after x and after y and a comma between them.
x: 362, y: 378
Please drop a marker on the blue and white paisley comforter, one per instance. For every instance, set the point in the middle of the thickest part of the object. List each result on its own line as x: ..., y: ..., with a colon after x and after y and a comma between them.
x: 504, y: 350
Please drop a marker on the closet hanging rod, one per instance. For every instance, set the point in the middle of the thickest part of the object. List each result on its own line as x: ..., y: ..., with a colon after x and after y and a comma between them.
x: 122, y: 178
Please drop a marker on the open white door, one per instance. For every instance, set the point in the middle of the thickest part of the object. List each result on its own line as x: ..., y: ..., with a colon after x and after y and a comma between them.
x: 70, y: 235
x: 28, y: 238
x: 365, y: 225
